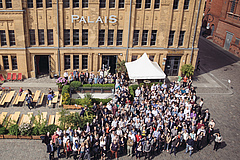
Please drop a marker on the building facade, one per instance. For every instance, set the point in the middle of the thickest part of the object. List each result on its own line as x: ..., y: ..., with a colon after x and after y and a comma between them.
x: 54, y: 36
x: 226, y: 32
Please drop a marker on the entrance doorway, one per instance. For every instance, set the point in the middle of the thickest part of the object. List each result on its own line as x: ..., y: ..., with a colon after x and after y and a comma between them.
x: 172, y: 65
x: 228, y: 40
x: 109, y: 61
x: 41, y: 65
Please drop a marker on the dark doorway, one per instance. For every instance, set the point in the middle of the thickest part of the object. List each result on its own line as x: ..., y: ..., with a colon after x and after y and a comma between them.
x: 42, y: 65
x: 172, y: 65
x: 109, y: 61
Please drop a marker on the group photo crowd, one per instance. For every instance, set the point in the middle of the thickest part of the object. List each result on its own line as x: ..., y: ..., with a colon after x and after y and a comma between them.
x: 160, y: 118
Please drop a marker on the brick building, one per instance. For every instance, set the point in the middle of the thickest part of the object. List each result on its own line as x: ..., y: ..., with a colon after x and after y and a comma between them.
x: 225, y: 26
x: 53, y: 36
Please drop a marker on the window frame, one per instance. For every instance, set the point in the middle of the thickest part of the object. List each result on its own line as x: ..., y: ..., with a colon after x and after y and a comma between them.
x: 148, y: 4
x: 30, y: 3
x: 67, y: 38
x: 134, y: 58
x: 186, y: 4
x: 39, y: 3
x: 41, y: 39
x: 136, y: 42
x: 156, y: 4
x: 75, y: 3
x: 145, y: 38
x: 50, y: 36
x: 121, y: 3
x: 8, y: 3
x: 14, y: 63
x: 171, y: 38
x: 66, y: 3
x: 181, y: 38
x: 237, y: 41
x: 48, y: 3
x: 102, y: 4
x: 84, y: 37
x: 84, y: 3
x: 153, y: 38
x: 3, y: 38
x: 1, y: 4
x: 75, y: 61
x: 119, y: 37
x: 101, y: 37
x: 5, y: 62
x: 175, y: 4
x: 32, y: 34
x: 112, y: 3
x: 84, y: 61
x: 67, y: 62
x: 110, y: 37
x: 12, y: 39
x: 75, y: 36
x: 138, y: 4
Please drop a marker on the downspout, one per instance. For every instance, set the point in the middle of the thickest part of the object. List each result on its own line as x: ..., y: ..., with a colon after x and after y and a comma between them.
x: 59, y: 70
x: 195, y: 30
x: 129, y: 29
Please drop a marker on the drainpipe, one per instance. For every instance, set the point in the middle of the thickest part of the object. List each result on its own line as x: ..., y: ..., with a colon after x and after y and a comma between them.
x: 195, y: 30
x: 129, y: 29
x: 58, y: 42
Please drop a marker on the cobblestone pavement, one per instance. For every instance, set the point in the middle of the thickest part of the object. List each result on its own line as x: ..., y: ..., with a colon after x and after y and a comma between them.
x: 223, y: 104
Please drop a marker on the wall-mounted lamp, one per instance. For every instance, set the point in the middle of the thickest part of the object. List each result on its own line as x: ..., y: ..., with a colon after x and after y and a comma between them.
x: 120, y: 54
x: 163, y: 63
x: 99, y: 54
x: 164, y: 59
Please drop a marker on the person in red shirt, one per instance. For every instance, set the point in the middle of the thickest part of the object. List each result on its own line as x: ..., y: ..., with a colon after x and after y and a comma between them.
x: 138, y: 137
x: 185, y: 81
x: 200, y: 124
x: 54, y: 137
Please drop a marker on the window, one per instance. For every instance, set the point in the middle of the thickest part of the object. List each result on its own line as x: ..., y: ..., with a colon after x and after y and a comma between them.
x: 144, y: 37
x: 11, y: 37
x: 1, y: 6
x: 153, y: 37
x: 147, y: 3
x: 138, y: 3
x: 121, y: 4
x: 134, y: 57
x: 30, y: 3
x: 41, y: 36
x: 50, y: 36
x: 135, y: 37
x: 84, y: 3
x: 181, y: 38
x: 84, y: 37
x: 39, y: 3
x: 49, y: 3
x: 65, y: 3
x: 157, y: 4
x: 75, y: 3
x: 84, y: 61
x: 233, y: 6
x: 175, y: 4
x: 66, y: 36
x: 14, y: 62
x: 32, y: 36
x: 76, y: 37
x: 171, y: 38
x: 67, y: 62
x: 5, y: 62
x: 102, y: 3
x: 111, y: 3
x: 186, y: 4
x: 8, y: 3
x: 3, y: 38
x: 151, y: 58
x: 101, y: 37
x: 110, y: 37
x: 119, y: 37
x: 75, y: 61
x: 237, y: 41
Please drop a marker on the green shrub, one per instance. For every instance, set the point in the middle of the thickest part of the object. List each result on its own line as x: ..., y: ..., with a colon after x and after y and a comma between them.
x: 13, y: 130
x: 51, y: 128
x: 2, y: 130
x: 65, y: 89
x: 87, y: 85
x: 187, y: 70
x: 66, y: 98
x: 98, y: 100
x: 25, y: 129
x: 82, y: 102
x: 75, y: 85
x: 99, y: 85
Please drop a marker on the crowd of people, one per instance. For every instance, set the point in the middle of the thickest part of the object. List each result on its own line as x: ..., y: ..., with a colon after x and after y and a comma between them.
x: 161, y: 118
x: 102, y: 77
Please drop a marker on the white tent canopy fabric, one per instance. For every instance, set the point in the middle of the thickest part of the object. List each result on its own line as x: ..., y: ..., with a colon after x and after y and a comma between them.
x: 143, y: 68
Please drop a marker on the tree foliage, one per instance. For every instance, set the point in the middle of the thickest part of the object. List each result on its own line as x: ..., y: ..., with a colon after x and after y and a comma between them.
x: 121, y: 68
x: 187, y: 70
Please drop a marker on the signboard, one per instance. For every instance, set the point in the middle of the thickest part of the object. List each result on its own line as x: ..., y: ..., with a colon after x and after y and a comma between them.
x: 88, y: 19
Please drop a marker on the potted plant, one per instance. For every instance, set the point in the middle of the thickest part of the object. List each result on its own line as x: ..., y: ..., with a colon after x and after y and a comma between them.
x: 187, y: 70
x: 121, y: 68
x: 61, y: 82
x: 25, y: 131
x: 13, y: 132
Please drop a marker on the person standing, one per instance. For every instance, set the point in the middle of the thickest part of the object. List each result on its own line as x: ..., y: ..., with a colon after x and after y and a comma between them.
x: 58, y: 144
x: 138, y: 150
x: 20, y: 91
x: 29, y: 101
x: 129, y: 146
x: 210, y: 132
x: 114, y: 148
x: 175, y: 143
x: 75, y: 149
x: 218, y: 141
x: 65, y: 75
x: 189, y: 145
x: 147, y: 150
x: 185, y: 81
x: 50, y: 150
x: 69, y: 148
x: 50, y: 98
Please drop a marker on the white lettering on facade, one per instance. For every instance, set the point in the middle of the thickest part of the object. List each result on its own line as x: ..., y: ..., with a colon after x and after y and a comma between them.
x: 110, y: 19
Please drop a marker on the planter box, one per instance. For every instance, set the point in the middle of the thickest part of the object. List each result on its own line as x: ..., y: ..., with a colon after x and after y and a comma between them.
x: 107, y: 91
x: 1, y: 136
x: 10, y: 136
x: 37, y: 137
x: 25, y: 137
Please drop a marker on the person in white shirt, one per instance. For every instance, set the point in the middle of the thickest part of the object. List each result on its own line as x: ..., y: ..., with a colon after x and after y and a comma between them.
x: 59, y: 132
x: 153, y: 88
x: 114, y: 123
x: 137, y: 92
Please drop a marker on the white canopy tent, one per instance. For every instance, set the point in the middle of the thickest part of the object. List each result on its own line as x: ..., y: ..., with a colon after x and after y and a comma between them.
x: 143, y: 68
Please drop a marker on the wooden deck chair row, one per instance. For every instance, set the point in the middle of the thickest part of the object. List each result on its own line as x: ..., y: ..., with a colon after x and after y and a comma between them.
x: 26, y: 118
x: 13, y: 118
x: 51, y: 119
x: 41, y: 100
x: 57, y: 122
x: 2, y: 101
x: 3, y: 115
x: 40, y: 118
x: 15, y: 101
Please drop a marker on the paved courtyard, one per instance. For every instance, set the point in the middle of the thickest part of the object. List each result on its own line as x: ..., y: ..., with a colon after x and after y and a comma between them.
x: 222, y: 100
